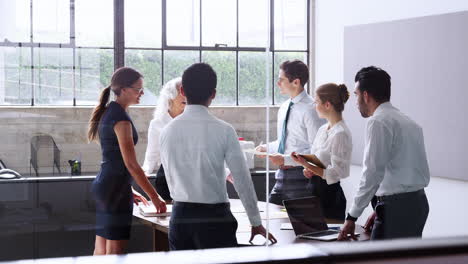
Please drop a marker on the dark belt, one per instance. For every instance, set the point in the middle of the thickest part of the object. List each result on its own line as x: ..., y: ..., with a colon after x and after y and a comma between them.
x: 201, y: 205
x: 400, y: 196
x: 287, y: 167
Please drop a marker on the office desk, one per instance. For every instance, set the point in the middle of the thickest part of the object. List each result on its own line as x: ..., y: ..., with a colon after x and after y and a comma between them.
x: 160, y: 227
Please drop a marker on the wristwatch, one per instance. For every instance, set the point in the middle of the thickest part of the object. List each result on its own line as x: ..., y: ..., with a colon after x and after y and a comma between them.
x: 351, y: 218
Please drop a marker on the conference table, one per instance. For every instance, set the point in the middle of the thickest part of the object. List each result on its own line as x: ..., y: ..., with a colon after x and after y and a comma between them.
x: 277, y: 216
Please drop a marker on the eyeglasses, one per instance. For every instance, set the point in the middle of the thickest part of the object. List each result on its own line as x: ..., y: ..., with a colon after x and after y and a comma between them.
x: 139, y: 90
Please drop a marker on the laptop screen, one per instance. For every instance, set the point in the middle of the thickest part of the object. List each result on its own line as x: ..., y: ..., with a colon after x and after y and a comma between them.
x: 306, y: 215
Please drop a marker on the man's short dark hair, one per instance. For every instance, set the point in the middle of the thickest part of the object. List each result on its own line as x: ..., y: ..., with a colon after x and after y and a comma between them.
x: 295, y: 69
x: 199, y: 83
x: 375, y: 82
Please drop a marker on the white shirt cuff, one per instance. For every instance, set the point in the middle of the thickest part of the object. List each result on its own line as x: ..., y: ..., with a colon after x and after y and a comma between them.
x: 355, y: 212
x: 330, y: 180
x: 255, y: 220
x: 288, y: 161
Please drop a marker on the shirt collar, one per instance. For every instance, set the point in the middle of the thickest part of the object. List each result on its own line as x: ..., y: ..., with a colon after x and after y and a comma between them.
x: 195, y: 109
x: 166, y: 117
x: 299, y: 97
x: 337, y: 125
x: 382, y: 107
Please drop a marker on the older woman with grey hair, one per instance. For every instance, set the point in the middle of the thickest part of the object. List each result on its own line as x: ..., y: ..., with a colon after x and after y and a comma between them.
x: 171, y: 103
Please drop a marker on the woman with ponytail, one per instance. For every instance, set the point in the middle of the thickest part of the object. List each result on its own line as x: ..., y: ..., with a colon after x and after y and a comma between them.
x: 111, y: 125
x: 332, y: 146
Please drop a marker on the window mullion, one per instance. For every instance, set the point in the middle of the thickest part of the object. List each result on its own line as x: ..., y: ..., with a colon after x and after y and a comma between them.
x: 119, y: 35
x: 32, y: 54
x: 237, y: 53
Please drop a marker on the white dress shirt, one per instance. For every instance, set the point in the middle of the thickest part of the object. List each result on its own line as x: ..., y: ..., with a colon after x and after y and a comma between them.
x: 194, y: 148
x: 303, y: 123
x: 152, y: 155
x: 333, y: 148
x: 394, y: 157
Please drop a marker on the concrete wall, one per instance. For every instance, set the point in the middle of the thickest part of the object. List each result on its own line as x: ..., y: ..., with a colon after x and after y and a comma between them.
x: 445, y: 196
x: 68, y: 127
x: 2, y: 79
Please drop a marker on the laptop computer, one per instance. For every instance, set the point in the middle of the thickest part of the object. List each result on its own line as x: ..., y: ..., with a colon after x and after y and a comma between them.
x: 307, y: 219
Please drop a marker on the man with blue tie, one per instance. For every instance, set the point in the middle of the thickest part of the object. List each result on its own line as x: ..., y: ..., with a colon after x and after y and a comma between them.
x: 298, y: 123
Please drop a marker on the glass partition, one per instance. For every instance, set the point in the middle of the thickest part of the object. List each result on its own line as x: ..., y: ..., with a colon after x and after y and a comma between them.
x: 56, y: 59
x: 78, y: 162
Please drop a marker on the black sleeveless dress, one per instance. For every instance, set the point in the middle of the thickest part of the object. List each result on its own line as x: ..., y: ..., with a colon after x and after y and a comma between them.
x: 112, y: 186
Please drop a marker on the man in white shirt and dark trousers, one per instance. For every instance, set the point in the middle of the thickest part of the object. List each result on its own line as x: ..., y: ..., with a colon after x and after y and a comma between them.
x: 297, y: 126
x: 194, y: 147
x: 395, y: 169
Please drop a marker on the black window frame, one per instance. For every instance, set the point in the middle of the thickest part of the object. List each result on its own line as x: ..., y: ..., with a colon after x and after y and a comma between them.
x: 119, y: 43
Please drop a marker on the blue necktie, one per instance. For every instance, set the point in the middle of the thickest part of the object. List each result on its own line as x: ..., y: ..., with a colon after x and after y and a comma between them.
x: 283, y: 134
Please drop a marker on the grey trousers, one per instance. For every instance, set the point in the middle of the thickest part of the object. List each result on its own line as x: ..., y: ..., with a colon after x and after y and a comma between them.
x: 400, y: 216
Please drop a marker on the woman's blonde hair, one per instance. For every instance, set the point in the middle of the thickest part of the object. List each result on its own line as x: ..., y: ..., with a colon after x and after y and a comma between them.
x: 336, y: 94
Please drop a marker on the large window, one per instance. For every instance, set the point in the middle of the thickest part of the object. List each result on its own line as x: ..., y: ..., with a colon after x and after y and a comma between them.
x: 63, y: 52
x: 57, y: 54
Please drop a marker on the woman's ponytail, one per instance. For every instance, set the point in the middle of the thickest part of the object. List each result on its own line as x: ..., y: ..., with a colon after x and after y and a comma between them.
x: 97, y: 114
x: 122, y: 77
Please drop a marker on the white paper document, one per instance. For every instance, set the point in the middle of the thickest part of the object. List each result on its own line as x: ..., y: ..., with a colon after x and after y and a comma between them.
x: 151, y: 210
x: 288, y: 226
x: 260, y: 153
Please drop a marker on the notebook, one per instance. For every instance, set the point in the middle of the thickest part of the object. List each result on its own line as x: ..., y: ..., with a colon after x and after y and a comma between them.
x: 312, y: 159
x: 151, y: 210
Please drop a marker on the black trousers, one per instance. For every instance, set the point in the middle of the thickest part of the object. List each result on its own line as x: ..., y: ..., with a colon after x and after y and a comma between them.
x: 201, y: 226
x: 400, y: 216
x: 161, y: 185
x: 292, y: 184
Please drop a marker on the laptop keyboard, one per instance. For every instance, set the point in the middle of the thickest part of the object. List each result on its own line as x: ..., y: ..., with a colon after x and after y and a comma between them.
x: 322, y: 233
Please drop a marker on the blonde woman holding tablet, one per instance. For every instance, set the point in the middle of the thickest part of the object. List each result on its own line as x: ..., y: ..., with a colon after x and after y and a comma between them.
x: 332, y: 146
